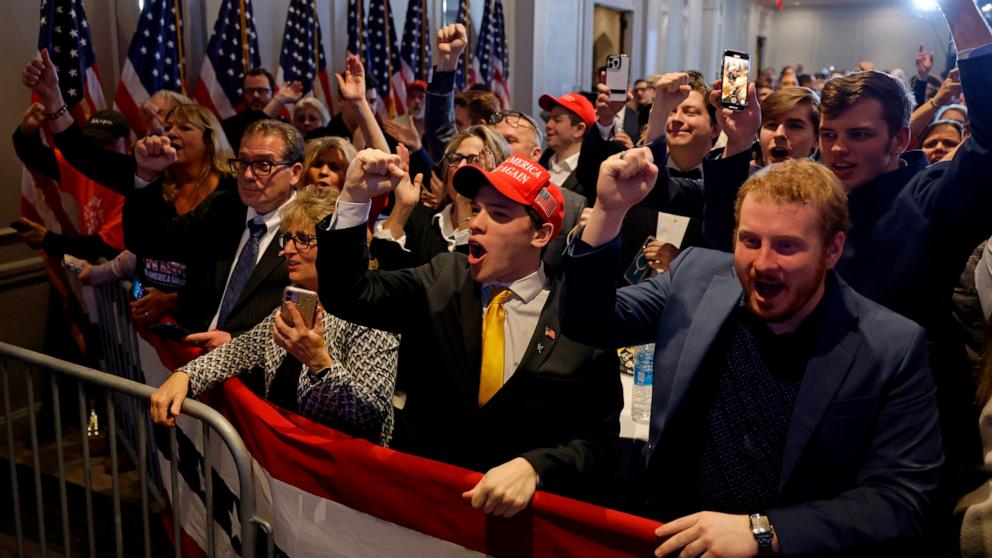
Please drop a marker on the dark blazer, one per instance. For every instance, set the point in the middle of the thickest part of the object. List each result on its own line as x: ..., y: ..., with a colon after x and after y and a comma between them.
x: 862, y: 459
x: 560, y: 410
x: 207, y: 238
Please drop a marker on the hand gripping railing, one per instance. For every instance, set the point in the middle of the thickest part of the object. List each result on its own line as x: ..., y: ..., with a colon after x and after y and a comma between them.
x: 209, y: 417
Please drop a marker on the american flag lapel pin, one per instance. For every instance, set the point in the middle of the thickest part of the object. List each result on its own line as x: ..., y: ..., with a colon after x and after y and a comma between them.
x: 550, y: 333
x: 540, y: 348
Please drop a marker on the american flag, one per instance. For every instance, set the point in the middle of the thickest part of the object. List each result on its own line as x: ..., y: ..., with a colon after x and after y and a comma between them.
x: 232, y: 51
x: 384, y: 57
x: 66, y: 34
x: 463, y: 75
x: 154, y: 61
x: 500, y: 84
x: 415, y: 54
x: 302, y: 57
x: 546, y: 202
x: 491, y: 55
x: 357, y: 39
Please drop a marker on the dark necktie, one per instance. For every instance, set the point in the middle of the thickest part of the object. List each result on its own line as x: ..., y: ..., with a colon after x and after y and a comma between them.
x: 692, y: 173
x: 242, y: 270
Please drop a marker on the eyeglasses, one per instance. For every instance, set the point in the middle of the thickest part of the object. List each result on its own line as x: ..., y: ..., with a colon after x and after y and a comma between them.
x: 303, y: 242
x: 511, y: 117
x: 258, y: 168
x: 454, y: 159
x: 257, y: 91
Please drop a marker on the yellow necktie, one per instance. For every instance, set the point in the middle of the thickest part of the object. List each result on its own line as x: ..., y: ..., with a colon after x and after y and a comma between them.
x: 491, y: 378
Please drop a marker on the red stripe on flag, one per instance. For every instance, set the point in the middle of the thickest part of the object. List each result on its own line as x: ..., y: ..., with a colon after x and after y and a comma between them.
x: 126, y: 105
x: 423, y: 494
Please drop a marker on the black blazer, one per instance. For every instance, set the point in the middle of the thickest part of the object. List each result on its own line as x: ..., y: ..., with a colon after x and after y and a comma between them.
x: 572, y: 182
x: 560, y: 410
x: 207, y: 238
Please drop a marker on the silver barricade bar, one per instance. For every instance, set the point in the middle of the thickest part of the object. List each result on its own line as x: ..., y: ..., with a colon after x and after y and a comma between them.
x: 140, y: 393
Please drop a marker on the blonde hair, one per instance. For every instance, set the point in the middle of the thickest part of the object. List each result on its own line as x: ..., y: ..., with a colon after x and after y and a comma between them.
x: 317, y: 105
x: 308, y: 208
x: 800, y: 181
x: 316, y: 147
x: 218, y: 150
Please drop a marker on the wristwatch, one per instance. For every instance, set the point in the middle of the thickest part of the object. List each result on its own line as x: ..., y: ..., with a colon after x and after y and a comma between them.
x: 763, y: 532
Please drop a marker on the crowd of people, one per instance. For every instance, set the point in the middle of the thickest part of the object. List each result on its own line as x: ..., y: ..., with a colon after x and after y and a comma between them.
x: 812, y: 270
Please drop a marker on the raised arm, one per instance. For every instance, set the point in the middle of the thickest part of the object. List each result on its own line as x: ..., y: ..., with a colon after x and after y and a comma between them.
x: 351, y: 84
x: 925, y: 112
x: 968, y: 27
x: 287, y: 94
x: 28, y: 146
x: 440, y: 96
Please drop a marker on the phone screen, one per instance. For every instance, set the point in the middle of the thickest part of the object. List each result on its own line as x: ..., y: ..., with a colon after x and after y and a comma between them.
x: 137, y: 290
x: 736, y: 67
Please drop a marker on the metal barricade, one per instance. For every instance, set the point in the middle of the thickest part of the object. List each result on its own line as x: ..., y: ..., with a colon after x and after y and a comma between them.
x: 140, y: 394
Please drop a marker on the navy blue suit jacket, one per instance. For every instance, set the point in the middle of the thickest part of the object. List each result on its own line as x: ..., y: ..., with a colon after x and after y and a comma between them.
x: 862, y: 457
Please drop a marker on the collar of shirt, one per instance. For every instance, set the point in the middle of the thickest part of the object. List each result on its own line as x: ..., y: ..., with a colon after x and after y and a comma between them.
x: 271, y: 219
x: 564, y: 166
x: 670, y: 164
x: 444, y: 220
x: 524, y: 289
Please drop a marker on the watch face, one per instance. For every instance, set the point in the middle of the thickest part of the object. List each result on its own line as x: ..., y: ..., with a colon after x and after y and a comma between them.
x: 760, y: 524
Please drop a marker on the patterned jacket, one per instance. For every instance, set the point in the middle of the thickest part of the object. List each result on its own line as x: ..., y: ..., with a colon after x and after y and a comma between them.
x: 354, y: 395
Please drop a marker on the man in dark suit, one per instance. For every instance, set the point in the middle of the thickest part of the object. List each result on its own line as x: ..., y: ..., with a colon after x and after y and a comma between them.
x: 569, y: 117
x: 520, y: 401
x: 798, y: 414
x: 238, y: 276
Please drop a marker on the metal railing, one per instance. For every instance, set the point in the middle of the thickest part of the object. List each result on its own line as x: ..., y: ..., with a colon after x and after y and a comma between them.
x: 139, y: 394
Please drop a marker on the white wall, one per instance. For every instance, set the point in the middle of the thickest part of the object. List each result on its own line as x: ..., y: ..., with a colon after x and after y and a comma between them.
x: 842, y: 36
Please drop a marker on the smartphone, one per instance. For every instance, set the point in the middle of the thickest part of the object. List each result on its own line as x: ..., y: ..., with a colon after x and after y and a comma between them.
x: 72, y: 263
x: 305, y: 301
x: 19, y: 226
x: 137, y: 290
x: 170, y: 330
x: 618, y: 76
x: 735, y: 74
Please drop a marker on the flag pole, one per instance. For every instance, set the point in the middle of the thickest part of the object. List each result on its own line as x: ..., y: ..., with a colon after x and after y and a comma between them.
x: 245, y: 54
x: 177, y: 15
x: 468, y: 43
x: 391, y: 105
x: 423, y: 41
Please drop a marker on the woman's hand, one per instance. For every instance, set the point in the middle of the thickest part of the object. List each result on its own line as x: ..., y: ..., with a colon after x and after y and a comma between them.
x: 153, y: 306
x: 306, y: 344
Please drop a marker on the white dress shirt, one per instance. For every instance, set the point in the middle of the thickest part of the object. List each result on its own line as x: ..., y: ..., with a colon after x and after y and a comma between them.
x: 521, y: 313
x: 561, y: 169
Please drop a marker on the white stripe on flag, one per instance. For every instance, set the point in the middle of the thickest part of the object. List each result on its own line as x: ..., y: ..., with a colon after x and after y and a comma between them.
x: 95, y: 88
x: 133, y: 84
x: 217, y: 95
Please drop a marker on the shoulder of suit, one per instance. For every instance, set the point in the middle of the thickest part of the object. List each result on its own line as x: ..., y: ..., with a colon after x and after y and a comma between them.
x: 698, y: 261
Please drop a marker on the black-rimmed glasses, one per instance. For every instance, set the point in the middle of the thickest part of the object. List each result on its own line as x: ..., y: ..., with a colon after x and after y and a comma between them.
x: 454, y: 159
x: 511, y: 117
x: 303, y: 242
x: 258, y: 168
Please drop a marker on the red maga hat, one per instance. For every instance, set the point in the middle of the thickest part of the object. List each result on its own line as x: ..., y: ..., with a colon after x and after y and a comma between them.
x: 521, y: 180
x: 574, y: 102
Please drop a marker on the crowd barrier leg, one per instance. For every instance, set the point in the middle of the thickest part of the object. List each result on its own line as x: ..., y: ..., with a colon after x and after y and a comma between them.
x: 116, y: 389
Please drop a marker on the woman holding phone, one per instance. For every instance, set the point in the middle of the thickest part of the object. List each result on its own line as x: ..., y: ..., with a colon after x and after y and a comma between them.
x: 334, y: 372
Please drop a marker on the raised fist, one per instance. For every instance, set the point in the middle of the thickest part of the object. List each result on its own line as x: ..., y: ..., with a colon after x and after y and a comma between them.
x: 153, y: 154
x: 370, y: 174
x: 451, y: 42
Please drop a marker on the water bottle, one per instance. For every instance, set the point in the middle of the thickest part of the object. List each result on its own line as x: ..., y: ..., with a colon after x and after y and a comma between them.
x: 640, y: 409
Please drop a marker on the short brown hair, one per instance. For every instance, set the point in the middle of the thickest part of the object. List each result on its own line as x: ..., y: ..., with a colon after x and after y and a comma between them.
x: 804, y: 182
x: 698, y: 84
x: 480, y: 104
x: 293, y: 149
x: 841, y: 93
x: 784, y: 100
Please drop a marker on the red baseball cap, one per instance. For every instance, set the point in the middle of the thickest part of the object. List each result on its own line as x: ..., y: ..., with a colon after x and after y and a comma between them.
x: 417, y: 84
x: 575, y: 102
x: 521, y: 180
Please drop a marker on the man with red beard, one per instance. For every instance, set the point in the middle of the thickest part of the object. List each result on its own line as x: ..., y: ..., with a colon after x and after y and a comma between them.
x: 486, y: 379
x: 790, y: 414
